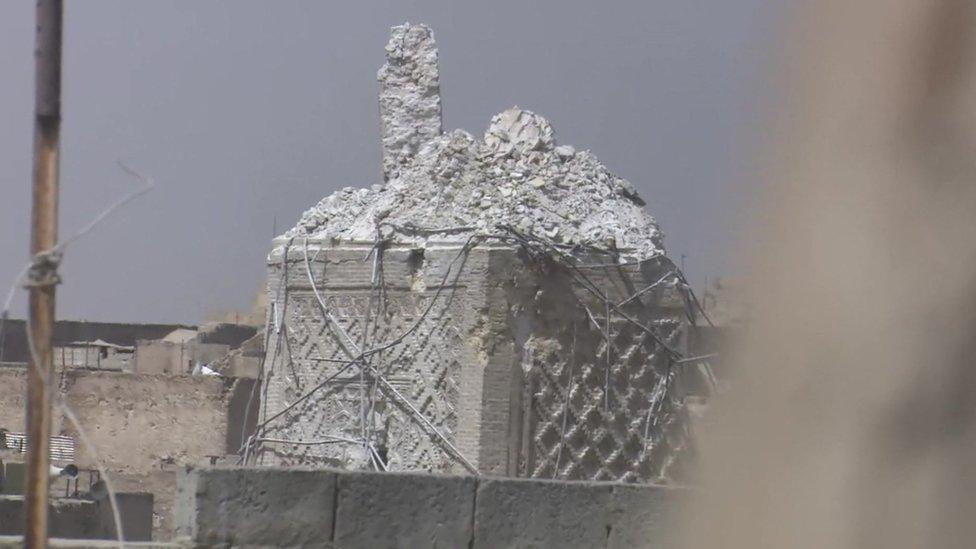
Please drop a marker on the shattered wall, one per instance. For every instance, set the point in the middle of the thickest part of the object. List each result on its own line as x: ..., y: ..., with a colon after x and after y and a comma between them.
x: 498, y: 305
x: 498, y: 356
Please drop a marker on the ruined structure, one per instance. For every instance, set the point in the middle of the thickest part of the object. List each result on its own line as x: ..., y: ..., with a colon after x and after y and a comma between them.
x: 499, y: 305
x: 143, y: 426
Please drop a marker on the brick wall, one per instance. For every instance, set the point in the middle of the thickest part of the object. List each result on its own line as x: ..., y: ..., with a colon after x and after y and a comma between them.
x: 508, y: 361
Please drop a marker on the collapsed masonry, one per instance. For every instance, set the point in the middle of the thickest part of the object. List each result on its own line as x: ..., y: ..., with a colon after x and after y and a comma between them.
x: 499, y: 305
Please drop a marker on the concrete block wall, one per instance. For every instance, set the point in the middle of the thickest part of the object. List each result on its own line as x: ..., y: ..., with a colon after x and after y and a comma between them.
x: 84, y: 519
x: 511, y: 364
x: 254, y: 507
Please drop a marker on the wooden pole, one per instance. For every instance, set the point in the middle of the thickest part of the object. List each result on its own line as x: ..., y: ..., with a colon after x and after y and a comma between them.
x: 43, y: 277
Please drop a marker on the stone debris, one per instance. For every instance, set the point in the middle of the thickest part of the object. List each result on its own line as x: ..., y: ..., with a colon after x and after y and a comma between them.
x: 446, y: 186
x: 410, y: 101
x: 519, y: 130
x: 600, y: 411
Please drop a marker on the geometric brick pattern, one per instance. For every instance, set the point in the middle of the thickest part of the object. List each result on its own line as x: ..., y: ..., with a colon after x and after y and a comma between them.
x: 605, y: 439
x: 509, y: 364
x: 423, y: 368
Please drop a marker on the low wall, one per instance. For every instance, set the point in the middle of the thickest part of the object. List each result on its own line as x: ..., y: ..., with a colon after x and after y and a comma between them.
x: 84, y: 519
x: 249, y: 507
x: 138, y: 423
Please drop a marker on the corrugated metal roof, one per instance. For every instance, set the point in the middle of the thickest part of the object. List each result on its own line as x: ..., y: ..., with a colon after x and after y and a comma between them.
x: 96, y: 343
x: 62, y: 448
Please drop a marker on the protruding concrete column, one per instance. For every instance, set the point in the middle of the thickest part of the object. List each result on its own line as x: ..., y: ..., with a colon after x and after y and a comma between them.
x: 410, y: 100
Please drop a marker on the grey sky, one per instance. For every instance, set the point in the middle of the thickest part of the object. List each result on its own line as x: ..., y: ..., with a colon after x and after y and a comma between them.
x: 245, y: 111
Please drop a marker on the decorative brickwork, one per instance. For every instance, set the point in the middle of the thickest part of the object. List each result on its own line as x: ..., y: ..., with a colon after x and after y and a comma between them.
x: 424, y: 368
x: 485, y: 360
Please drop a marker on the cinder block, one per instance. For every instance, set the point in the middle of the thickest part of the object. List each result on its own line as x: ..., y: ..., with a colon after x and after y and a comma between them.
x: 536, y: 513
x: 255, y: 507
x: 258, y: 507
x: 644, y: 516
x: 379, y: 510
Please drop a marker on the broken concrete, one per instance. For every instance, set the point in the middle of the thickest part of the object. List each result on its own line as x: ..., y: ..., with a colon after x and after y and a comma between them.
x: 451, y: 185
x: 410, y: 100
x: 515, y: 177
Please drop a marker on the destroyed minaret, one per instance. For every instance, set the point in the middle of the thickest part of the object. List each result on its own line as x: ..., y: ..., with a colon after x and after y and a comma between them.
x: 410, y: 95
x: 498, y: 305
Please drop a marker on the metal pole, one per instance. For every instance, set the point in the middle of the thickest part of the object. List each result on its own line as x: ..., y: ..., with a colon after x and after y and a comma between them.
x: 44, y: 236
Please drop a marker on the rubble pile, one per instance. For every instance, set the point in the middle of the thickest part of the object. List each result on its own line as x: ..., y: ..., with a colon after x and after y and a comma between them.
x: 515, y: 176
x: 448, y: 186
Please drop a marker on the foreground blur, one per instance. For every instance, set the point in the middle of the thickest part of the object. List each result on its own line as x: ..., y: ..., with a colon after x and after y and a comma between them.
x: 852, y: 421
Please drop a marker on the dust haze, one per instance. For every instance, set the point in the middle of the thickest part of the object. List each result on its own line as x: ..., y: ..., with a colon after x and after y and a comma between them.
x: 851, y: 423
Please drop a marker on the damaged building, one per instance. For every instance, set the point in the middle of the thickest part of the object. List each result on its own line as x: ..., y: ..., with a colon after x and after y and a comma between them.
x: 496, y: 305
x: 149, y: 415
